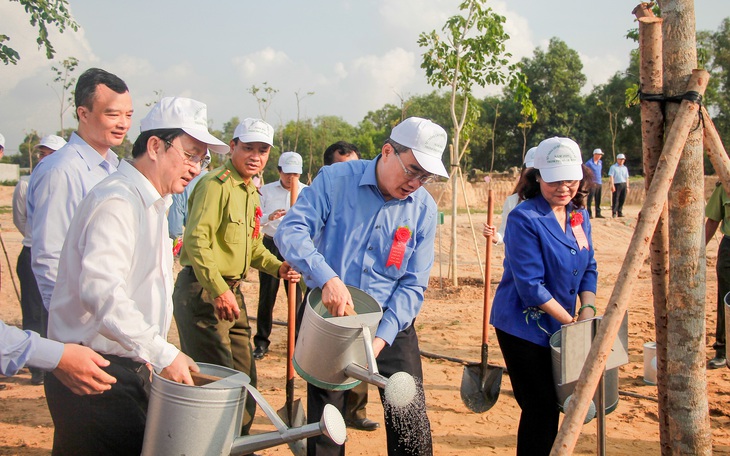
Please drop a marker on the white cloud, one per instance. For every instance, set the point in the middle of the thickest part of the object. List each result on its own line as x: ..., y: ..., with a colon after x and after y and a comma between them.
x: 598, y: 69
x: 259, y: 62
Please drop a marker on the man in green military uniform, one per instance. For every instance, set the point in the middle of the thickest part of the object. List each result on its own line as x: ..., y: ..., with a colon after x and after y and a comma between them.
x: 718, y: 214
x: 222, y: 239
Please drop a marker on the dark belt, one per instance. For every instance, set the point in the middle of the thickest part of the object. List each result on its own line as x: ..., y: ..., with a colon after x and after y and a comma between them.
x: 232, y: 283
x: 266, y: 236
x: 124, y: 362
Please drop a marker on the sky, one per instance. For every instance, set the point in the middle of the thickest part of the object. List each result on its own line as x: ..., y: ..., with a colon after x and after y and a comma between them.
x: 355, y: 56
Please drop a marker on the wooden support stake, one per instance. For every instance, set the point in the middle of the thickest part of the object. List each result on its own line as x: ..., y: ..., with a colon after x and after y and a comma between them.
x: 716, y: 151
x: 637, y: 251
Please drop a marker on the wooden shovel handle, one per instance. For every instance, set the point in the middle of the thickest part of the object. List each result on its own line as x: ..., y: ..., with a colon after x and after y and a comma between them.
x: 488, y: 268
x: 200, y: 379
x: 292, y: 299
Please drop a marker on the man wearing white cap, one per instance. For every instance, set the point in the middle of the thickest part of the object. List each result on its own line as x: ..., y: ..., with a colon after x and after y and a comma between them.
x: 618, y: 177
x: 57, y: 185
x: 595, y: 164
x: 31, y: 302
x: 370, y: 224
x: 114, y: 288
x: 222, y: 239
x: 275, y: 201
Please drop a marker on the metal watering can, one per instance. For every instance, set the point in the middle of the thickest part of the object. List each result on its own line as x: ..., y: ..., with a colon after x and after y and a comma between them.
x: 333, y: 352
x: 206, y: 419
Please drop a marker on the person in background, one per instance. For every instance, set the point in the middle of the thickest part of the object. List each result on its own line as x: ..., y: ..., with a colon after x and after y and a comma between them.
x: 717, y: 212
x: 511, y: 202
x: 596, y: 166
x: 357, y: 398
x: 59, y: 183
x: 77, y: 367
x: 2, y: 146
x: 114, y: 288
x: 545, y: 274
x: 275, y: 200
x: 31, y: 302
x: 618, y: 178
x: 384, y: 245
x: 177, y: 216
x: 221, y: 242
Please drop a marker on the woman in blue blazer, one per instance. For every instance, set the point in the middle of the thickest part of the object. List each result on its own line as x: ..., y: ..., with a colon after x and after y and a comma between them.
x: 548, y: 266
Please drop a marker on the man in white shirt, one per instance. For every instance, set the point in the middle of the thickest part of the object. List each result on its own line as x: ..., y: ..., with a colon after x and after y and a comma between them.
x: 31, y: 302
x: 275, y: 201
x: 114, y: 288
x: 57, y: 185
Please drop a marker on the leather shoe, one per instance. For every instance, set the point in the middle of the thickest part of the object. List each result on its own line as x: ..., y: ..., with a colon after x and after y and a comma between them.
x: 600, y: 216
x: 364, y: 424
x: 260, y: 352
x: 716, y: 363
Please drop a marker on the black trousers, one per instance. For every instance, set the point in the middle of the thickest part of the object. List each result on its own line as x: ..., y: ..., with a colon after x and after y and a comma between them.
x: 723, y: 288
x: 111, y: 423
x: 403, y: 355
x: 268, y: 288
x: 31, y: 302
x: 618, y: 198
x: 531, y: 375
x: 595, y: 193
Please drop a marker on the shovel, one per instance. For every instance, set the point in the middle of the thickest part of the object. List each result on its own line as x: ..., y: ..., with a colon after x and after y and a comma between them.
x: 481, y: 382
x: 292, y: 413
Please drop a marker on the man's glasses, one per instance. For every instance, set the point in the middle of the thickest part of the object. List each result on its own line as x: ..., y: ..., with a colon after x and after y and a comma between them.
x: 424, y: 178
x: 194, y: 159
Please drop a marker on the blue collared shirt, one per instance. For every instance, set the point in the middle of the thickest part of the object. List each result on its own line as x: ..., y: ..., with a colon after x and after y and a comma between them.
x: 19, y: 348
x: 597, y: 169
x: 177, y: 217
x: 620, y: 173
x: 342, y: 226
x: 57, y: 186
x: 541, y: 262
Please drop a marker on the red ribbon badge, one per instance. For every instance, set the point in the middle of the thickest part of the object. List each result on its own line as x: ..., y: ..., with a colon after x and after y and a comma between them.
x: 398, y: 248
x: 257, y: 225
x: 576, y: 220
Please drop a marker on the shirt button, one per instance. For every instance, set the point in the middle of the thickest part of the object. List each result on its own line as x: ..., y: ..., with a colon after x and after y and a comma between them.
x: 572, y: 291
x: 575, y: 272
x: 377, y: 227
x: 370, y: 248
x: 365, y: 270
x: 572, y: 251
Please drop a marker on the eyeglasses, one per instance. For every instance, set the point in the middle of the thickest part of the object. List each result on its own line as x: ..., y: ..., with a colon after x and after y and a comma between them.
x: 567, y: 183
x: 424, y: 178
x: 194, y: 159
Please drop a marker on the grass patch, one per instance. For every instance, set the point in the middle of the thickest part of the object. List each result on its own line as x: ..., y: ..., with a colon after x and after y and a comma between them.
x: 6, y: 209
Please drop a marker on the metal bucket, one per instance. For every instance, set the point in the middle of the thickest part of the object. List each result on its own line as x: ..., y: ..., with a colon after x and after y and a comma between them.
x: 185, y: 419
x: 326, y: 345
x: 650, y: 363
x: 727, y: 328
x: 564, y: 391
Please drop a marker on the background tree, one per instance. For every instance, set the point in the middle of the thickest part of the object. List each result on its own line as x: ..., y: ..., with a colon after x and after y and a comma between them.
x: 43, y: 14
x: 299, y: 101
x: 264, y: 97
x: 472, y: 52
x: 66, y: 81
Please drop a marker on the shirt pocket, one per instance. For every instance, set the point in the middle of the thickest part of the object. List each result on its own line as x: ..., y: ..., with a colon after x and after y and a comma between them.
x: 235, y: 232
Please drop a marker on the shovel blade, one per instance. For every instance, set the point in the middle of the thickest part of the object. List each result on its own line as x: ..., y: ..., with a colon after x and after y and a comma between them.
x: 480, y: 386
x: 293, y: 415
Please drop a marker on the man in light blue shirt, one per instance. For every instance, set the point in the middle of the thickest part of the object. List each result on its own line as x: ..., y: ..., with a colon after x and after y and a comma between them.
x: 59, y: 182
x: 357, y: 212
x: 618, y: 178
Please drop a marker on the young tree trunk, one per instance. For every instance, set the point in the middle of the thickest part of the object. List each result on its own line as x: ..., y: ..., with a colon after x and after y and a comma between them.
x: 652, y: 134
x: 687, y: 408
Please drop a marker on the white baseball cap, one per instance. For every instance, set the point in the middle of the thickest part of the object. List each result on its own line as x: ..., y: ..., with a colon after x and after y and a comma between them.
x: 597, y: 152
x: 290, y: 162
x: 2, y: 141
x: 426, y: 140
x: 254, y: 130
x: 530, y: 157
x: 620, y: 157
x: 189, y: 115
x: 559, y: 159
x: 53, y: 142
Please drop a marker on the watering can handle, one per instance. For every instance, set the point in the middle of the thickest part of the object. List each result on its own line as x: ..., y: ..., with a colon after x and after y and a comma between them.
x: 367, y: 339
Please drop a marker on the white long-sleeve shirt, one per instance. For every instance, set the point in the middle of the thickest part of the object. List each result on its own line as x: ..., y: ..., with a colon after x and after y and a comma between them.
x: 274, y: 197
x: 20, y: 196
x: 57, y: 186
x: 114, y: 288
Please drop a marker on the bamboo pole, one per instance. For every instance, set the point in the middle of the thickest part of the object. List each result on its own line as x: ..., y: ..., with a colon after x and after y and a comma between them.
x: 618, y: 303
x: 471, y: 223
x: 716, y: 151
x: 652, y: 135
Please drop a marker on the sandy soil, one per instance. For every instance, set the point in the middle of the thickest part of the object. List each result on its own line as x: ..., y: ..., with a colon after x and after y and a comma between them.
x: 450, y: 325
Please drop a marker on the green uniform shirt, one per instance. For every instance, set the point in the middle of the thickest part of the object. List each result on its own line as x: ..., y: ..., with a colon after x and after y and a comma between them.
x: 218, y: 241
x: 717, y: 209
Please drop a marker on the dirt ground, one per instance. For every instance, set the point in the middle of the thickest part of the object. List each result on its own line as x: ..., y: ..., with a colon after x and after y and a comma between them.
x: 450, y: 324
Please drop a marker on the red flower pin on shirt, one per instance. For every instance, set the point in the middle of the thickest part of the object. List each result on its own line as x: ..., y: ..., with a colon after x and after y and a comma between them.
x: 257, y: 218
x: 576, y: 223
x: 398, y: 248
